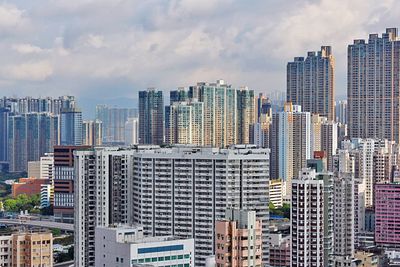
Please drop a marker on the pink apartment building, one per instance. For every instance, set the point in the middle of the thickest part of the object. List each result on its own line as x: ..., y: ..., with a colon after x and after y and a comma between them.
x: 387, y: 214
x: 238, y: 240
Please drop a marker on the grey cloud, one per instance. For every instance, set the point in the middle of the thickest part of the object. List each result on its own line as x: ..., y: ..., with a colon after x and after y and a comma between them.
x: 94, y: 47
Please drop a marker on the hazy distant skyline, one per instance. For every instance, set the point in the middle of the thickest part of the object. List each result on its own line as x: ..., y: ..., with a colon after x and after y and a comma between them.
x: 103, y: 50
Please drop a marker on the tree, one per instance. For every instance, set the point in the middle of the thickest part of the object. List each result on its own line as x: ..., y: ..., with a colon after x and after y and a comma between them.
x: 22, y: 202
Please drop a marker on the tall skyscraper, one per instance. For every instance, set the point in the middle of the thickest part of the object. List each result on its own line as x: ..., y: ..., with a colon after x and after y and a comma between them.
x: 179, y: 95
x: 246, y: 114
x: 31, y: 136
x: 344, y: 214
x: 290, y: 143
x: 373, y: 87
x: 329, y: 141
x: 220, y: 113
x: 238, y: 239
x: 132, y: 131
x: 92, y: 133
x: 187, y: 190
x: 151, y: 117
x: 341, y: 111
x: 17, y: 144
x: 312, y: 219
x: 263, y: 106
x: 212, y: 114
x: 185, y: 123
x: 4, y: 113
x: 71, y: 127
x: 46, y: 105
x: 310, y: 82
x: 114, y: 122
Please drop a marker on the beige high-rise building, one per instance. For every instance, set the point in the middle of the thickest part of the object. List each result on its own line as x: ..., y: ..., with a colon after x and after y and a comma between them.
x: 185, y: 123
x: 290, y: 143
x: 238, y: 240
x: 310, y: 82
x: 211, y: 114
x: 26, y: 249
x: 373, y: 91
x: 92, y: 133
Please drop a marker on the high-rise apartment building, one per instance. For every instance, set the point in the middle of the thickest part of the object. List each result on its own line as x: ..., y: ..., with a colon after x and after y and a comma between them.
x: 4, y: 113
x: 373, y: 91
x: 132, y: 131
x: 185, y: 123
x: 387, y: 215
x: 329, y: 141
x: 246, y: 115
x: 180, y: 191
x: 312, y: 219
x: 92, y: 133
x: 220, y: 113
x: 151, y: 117
x: 212, y: 114
x: 179, y: 95
x: 26, y: 249
x: 373, y: 157
x: 30, y: 136
x: 238, y: 239
x: 30, y: 104
x: 345, y: 164
x: 341, y: 111
x: 344, y: 200
x: 71, y: 127
x: 110, y: 202
x: 114, y: 121
x: 290, y: 143
x: 279, y: 249
x: 263, y: 107
x: 310, y: 82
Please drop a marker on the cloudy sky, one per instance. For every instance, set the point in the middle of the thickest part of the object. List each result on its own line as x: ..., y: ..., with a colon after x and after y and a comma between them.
x: 107, y: 50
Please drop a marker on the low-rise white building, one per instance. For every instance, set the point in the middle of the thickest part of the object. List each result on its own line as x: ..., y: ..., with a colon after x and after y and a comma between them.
x: 126, y: 246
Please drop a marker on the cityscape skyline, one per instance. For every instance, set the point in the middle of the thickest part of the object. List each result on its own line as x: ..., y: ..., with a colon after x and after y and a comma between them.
x: 214, y: 173
x: 252, y: 50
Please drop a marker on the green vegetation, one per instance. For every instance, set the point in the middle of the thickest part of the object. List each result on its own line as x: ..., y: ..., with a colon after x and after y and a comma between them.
x: 22, y: 202
x: 56, y: 232
x: 282, y: 211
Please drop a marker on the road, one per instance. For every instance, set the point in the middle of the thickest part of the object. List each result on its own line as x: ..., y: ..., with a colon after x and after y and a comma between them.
x: 46, y: 224
x: 64, y: 264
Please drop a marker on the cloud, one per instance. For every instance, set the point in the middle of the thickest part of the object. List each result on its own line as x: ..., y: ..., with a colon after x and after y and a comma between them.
x: 95, y: 41
x: 27, y: 49
x: 33, y: 71
x: 104, y: 47
x: 10, y: 16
